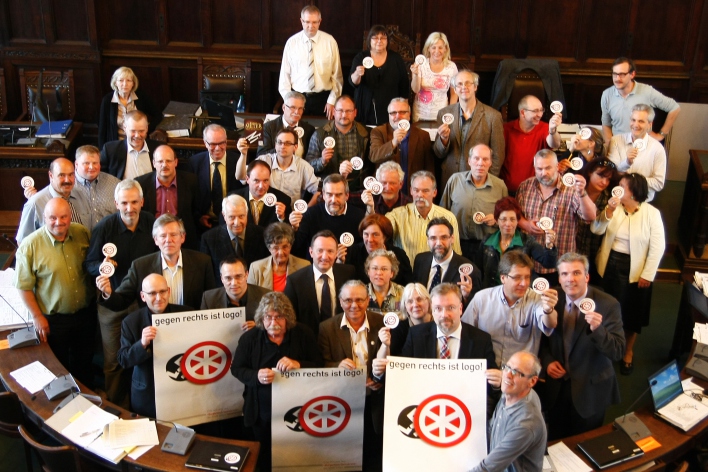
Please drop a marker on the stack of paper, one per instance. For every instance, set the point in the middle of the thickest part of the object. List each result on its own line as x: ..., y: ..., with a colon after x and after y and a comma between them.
x: 129, y: 433
x: 700, y: 332
x: 34, y: 377
x: 701, y: 282
x: 12, y: 305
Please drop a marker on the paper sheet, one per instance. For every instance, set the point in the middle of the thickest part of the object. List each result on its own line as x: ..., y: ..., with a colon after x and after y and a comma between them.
x: 34, y: 377
x: 87, y: 427
x: 8, y: 318
x: 128, y: 433
x: 566, y: 460
x: 700, y: 332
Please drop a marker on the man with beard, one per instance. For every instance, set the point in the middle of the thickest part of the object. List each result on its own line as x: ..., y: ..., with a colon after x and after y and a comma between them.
x: 130, y: 157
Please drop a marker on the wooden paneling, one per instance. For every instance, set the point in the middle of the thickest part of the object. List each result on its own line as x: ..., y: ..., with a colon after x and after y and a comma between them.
x: 184, y: 26
x: 456, y: 22
x: 547, y: 21
x: 605, y: 35
x: 346, y: 21
x: 285, y: 22
x: 495, y: 29
x: 25, y: 21
x: 129, y: 22
x: 245, y: 31
x: 662, y: 31
x: 70, y: 21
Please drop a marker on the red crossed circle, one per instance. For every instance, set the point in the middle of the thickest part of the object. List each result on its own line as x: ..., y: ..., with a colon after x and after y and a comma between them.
x: 206, y: 362
x: 442, y: 421
x: 324, y: 416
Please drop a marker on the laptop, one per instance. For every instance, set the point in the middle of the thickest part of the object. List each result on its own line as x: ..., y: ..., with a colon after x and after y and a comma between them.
x: 671, y: 403
x: 217, y: 456
x: 610, y: 449
x: 225, y: 114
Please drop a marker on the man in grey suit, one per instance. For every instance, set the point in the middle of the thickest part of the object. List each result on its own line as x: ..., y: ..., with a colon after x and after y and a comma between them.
x: 235, y: 292
x: 577, y: 358
x: 188, y: 273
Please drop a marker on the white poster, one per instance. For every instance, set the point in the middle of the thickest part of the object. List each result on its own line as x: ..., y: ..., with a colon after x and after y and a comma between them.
x: 435, y: 414
x: 192, y: 354
x: 318, y: 419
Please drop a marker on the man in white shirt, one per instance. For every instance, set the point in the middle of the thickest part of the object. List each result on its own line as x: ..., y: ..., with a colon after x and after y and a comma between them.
x: 648, y: 159
x: 311, y: 65
x: 130, y: 157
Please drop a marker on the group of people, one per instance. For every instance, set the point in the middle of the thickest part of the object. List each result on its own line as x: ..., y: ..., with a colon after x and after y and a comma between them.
x: 315, y: 277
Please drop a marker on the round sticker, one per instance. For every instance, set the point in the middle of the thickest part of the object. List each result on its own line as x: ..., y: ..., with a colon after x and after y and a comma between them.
x: 369, y: 181
x: 107, y: 269
x: 545, y: 223
x: 618, y: 192
x: 390, y: 319
x: 569, y: 180
x: 299, y: 131
x: 300, y: 206
x: 442, y: 420
x: 232, y: 457
x: 27, y: 182
x: 347, y: 239
x: 109, y: 249
x: 270, y: 199
x: 324, y: 416
x: 576, y: 163
x: 478, y: 217
x: 405, y: 125
x: 586, y: 305
x: 465, y: 269
x: 357, y: 163
x: 376, y: 188
x: 328, y: 142
x: 368, y: 62
x: 448, y: 118
x: 640, y: 144
x: 540, y: 285
x: 556, y: 106
x: 420, y: 59
x: 586, y: 133
x: 206, y: 362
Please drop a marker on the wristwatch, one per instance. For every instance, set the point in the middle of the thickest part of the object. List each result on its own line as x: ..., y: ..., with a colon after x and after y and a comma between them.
x: 662, y: 133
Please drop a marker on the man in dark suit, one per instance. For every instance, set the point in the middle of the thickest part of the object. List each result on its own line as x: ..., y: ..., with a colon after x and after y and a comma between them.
x: 188, y: 272
x: 130, y: 157
x: 235, y: 292
x: 307, y: 288
x: 216, y: 175
x: 258, y: 180
x: 293, y: 108
x: 350, y: 341
x: 442, y: 265
x: 235, y: 238
x: 168, y: 190
x: 137, y: 334
x: 577, y: 358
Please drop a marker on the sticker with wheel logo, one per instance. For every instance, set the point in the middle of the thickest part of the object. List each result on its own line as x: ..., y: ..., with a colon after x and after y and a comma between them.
x: 442, y: 421
x: 324, y: 416
x: 206, y: 362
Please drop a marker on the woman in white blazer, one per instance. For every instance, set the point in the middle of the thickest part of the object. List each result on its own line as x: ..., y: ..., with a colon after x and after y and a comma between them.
x: 272, y: 271
x: 629, y: 255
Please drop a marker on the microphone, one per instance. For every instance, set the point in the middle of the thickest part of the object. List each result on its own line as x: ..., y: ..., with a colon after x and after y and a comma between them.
x: 23, y: 337
x: 630, y: 424
x: 179, y: 439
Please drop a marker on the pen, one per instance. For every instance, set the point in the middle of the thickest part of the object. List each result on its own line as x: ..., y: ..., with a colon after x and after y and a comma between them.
x: 89, y: 433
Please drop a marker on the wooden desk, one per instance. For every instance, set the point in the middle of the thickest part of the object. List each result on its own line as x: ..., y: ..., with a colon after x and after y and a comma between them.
x: 39, y: 409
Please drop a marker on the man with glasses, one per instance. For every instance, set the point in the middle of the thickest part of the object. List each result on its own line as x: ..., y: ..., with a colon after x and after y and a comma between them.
x: 514, y: 316
x: 617, y: 102
x: 216, y: 175
x: 524, y: 138
x: 289, y: 174
x: 258, y: 174
x: 351, y: 139
x: 137, y: 334
x: 577, y: 358
x: 293, y: 109
x: 517, y: 433
x: 411, y: 149
x: 473, y: 123
x: 188, y: 273
x: 236, y: 291
x: 311, y: 65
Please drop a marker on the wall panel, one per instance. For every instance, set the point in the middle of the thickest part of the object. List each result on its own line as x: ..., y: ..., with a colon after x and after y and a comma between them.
x: 184, y: 23
x: 70, y: 21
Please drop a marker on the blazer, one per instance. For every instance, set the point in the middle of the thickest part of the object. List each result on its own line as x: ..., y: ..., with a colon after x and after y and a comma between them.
x: 300, y: 289
x: 261, y: 271
x: 270, y: 131
x: 420, y: 150
x: 197, y: 277
x: 486, y: 128
x: 593, y: 383
x: 216, y: 244
x: 187, y: 194
x: 357, y: 255
x: 108, y: 117
x: 217, y: 298
x: 646, y: 241
x: 199, y: 164
x: 424, y: 260
x: 114, y: 155
x: 132, y: 354
x: 268, y: 215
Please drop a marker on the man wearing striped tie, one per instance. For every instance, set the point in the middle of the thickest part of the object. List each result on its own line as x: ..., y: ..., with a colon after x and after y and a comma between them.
x: 311, y: 65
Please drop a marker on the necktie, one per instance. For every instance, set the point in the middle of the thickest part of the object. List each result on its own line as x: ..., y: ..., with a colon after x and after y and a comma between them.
x: 326, y: 299
x: 256, y: 208
x: 569, y: 321
x: 217, y: 192
x: 74, y: 214
x: 237, y: 247
x: 311, y: 66
x: 444, y: 351
x: 437, y: 278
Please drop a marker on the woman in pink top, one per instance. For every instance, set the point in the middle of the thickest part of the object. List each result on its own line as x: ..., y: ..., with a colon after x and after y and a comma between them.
x: 431, y: 80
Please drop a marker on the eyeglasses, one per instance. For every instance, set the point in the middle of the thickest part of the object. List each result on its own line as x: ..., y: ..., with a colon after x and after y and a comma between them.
x: 518, y: 278
x: 284, y: 143
x: 280, y: 247
x: 161, y: 293
x: 609, y: 164
x: 379, y: 38
x: 464, y: 84
x: 344, y: 112
x: 213, y: 145
x: 620, y: 75
x: 536, y: 111
x: 350, y: 301
x: 399, y: 112
x: 273, y: 318
x: 515, y: 372
x: 296, y: 109
x: 379, y: 269
x: 237, y: 278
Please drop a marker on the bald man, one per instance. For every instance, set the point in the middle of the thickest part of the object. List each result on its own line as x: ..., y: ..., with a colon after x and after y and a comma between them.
x: 54, y: 286
x: 136, y: 336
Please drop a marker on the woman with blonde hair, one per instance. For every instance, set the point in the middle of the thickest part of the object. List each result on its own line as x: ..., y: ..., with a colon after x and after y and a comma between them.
x: 431, y: 80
